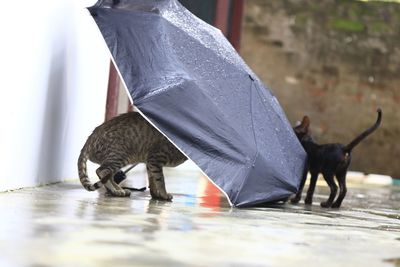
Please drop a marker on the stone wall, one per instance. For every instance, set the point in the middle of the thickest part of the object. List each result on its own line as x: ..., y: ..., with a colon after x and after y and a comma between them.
x: 336, y: 61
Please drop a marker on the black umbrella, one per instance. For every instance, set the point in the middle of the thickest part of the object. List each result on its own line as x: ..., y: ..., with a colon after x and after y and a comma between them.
x: 189, y: 82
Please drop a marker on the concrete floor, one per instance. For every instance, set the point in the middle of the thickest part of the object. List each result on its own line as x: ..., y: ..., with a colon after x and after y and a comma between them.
x: 64, y: 225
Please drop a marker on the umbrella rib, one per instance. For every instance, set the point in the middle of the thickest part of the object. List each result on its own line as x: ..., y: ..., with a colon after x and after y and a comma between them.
x: 278, y: 138
x: 251, y: 112
x: 284, y: 158
x: 255, y: 139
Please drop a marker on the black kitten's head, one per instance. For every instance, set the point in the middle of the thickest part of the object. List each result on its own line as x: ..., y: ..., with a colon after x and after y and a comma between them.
x: 302, y: 130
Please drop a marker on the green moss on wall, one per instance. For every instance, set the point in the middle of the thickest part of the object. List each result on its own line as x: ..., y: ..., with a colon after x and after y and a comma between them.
x: 347, y: 25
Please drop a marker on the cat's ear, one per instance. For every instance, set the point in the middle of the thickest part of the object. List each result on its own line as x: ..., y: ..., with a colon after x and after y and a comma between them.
x: 305, y: 123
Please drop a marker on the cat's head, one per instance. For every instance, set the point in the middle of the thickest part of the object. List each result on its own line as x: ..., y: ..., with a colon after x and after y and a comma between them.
x: 302, y: 130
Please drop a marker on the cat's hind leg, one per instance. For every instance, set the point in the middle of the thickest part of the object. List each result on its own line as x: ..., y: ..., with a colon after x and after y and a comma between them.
x: 106, y: 173
x: 329, y: 178
x: 341, y: 177
x: 311, y: 188
x: 156, y: 178
x: 119, y: 188
x: 297, y: 197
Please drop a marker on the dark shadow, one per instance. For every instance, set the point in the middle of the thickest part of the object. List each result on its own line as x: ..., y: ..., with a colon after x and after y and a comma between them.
x: 54, y: 122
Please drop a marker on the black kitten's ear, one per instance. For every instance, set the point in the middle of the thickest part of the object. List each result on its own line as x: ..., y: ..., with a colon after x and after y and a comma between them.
x: 305, y: 123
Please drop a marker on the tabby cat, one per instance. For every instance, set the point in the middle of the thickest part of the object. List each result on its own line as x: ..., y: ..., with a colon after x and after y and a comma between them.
x: 123, y: 140
x: 330, y: 160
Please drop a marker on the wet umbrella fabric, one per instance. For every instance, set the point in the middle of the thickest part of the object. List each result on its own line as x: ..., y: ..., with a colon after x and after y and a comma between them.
x: 188, y: 81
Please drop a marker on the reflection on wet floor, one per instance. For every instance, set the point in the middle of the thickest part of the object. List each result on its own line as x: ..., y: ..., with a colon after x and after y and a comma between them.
x: 64, y: 225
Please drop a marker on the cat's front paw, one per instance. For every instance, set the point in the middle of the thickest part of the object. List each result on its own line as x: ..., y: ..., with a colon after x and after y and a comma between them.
x: 308, y: 201
x: 166, y: 197
x: 169, y: 197
x: 336, y: 205
x: 127, y: 192
x: 326, y: 204
x: 161, y: 196
x: 119, y: 193
x: 295, y: 199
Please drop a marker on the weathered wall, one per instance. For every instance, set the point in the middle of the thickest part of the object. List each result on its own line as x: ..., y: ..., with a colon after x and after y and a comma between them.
x: 335, y: 61
x: 54, y: 66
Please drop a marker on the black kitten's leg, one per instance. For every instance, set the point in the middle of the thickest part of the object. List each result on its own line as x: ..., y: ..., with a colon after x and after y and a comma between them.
x: 311, y: 188
x: 341, y: 177
x: 329, y: 178
x: 297, y: 197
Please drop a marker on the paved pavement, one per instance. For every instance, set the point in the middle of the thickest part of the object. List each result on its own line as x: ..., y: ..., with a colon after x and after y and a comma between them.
x: 64, y: 225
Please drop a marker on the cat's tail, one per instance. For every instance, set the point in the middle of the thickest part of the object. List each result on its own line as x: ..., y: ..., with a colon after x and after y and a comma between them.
x: 82, y: 171
x: 364, y: 134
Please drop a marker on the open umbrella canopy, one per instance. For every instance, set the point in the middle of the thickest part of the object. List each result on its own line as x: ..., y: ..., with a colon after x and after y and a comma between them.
x: 189, y: 82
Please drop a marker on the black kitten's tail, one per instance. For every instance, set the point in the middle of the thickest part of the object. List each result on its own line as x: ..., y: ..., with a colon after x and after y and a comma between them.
x: 363, y: 135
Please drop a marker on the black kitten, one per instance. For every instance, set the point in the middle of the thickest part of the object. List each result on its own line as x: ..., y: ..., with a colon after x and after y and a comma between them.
x: 330, y: 160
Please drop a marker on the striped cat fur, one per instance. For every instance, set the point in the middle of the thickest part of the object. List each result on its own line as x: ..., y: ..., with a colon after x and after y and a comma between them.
x: 124, y: 140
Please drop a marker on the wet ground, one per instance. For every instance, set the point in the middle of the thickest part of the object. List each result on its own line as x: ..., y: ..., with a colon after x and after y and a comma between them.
x: 64, y: 225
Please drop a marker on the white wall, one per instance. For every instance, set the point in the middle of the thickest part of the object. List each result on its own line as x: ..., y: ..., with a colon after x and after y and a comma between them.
x: 53, y: 77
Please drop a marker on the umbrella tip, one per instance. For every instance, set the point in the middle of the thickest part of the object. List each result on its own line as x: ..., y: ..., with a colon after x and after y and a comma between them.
x: 92, y: 11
